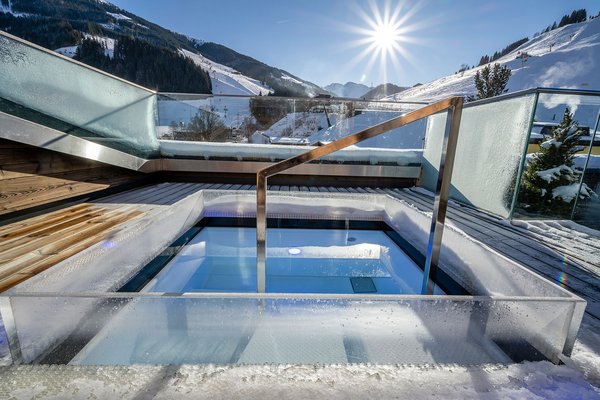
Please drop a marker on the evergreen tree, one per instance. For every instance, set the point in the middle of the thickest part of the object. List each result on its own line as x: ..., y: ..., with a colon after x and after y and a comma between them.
x: 491, y: 82
x: 550, y: 182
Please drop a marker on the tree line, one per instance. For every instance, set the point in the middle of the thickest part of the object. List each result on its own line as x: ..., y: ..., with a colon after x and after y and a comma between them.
x: 575, y: 17
x: 147, y: 65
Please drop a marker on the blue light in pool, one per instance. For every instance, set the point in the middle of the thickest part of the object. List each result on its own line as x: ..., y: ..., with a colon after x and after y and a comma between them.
x: 294, y: 251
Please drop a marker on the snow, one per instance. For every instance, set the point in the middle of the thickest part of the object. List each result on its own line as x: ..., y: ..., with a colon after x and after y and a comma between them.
x: 408, y: 137
x: 8, y: 9
x: 174, y: 148
x: 549, y: 143
x: 107, y: 43
x: 554, y: 173
x: 119, y: 17
x: 109, y: 26
x: 289, y: 78
x: 578, y: 160
x: 226, y: 80
x: 292, y: 381
x: 348, y: 90
x: 68, y: 51
x: 572, y: 63
x: 299, y: 125
x: 566, y: 193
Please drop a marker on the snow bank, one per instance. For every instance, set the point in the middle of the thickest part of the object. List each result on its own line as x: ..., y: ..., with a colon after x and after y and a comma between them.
x: 243, y: 151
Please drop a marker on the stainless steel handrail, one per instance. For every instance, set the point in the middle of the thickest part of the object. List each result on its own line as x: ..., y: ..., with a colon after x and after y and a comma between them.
x: 453, y: 104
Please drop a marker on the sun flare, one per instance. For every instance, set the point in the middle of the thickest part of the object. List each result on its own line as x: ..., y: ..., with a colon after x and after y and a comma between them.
x: 385, y: 34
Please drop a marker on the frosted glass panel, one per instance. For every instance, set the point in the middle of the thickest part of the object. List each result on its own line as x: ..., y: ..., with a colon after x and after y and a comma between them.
x: 432, y: 149
x: 136, y: 329
x: 52, y: 91
x: 491, y: 142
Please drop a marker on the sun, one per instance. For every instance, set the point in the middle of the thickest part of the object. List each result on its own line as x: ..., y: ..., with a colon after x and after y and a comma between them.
x: 386, y: 37
x: 385, y: 31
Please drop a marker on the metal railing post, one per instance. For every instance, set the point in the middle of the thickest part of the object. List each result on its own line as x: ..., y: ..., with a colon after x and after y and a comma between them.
x: 442, y: 190
x: 453, y: 103
x: 261, y: 232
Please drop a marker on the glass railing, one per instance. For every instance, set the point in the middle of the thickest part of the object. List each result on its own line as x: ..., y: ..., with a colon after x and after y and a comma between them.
x: 43, y: 87
x: 275, y: 128
x: 499, y: 138
x: 561, y: 176
x: 498, y: 141
x: 491, y: 140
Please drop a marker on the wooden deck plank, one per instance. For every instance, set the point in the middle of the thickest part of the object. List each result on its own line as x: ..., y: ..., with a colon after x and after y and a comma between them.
x: 39, y: 222
x: 53, y: 251
x: 12, y: 251
x: 16, y: 241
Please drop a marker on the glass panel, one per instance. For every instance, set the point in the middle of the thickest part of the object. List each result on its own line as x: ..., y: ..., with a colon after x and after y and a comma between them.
x: 61, y: 94
x: 136, y: 329
x: 554, y: 166
x: 490, y: 145
x: 587, y: 211
x: 273, y: 128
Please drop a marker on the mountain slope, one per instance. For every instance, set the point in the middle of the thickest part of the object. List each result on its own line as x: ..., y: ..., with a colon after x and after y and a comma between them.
x: 64, y: 24
x: 349, y: 90
x: 383, y: 90
x: 572, y: 63
x: 284, y: 83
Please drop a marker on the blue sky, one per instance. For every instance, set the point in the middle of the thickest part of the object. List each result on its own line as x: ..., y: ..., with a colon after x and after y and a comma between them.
x: 320, y: 40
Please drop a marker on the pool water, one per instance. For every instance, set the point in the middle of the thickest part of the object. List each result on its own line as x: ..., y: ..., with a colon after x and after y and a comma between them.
x: 343, y: 261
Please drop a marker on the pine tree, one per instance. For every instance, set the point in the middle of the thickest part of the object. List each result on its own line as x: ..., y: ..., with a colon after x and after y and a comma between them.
x: 491, y: 82
x: 550, y: 182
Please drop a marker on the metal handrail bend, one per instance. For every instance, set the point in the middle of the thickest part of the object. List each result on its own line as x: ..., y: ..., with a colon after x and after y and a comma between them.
x: 453, y: 104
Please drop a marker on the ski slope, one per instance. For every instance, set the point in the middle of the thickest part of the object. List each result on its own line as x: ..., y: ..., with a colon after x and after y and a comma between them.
x: 226, y: 80
x: 567, y: 57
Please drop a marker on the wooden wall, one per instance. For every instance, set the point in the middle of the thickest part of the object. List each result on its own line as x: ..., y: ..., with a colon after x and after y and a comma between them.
x: 30, y: 176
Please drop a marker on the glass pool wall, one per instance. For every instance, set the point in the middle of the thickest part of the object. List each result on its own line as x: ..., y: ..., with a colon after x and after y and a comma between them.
x: 512, y: 314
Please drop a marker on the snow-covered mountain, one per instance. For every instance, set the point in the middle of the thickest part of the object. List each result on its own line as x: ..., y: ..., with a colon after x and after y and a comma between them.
x: 349, y: 90
x: 61, y: 25
x: 226, y: 80
x: 382, y: 91
x: 567, y: 57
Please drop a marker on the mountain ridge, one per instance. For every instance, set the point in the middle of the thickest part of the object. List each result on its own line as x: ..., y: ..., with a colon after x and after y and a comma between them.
x: 65, y: 24
x: 566, y: 57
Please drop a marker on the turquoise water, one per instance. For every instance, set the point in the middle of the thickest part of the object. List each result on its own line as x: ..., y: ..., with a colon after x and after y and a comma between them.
x: 222, y: 259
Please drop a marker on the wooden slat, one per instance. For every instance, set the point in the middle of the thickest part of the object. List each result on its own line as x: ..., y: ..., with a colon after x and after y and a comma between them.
x: 31, y: 224
x: 59, y: 247
x: 34, y: 239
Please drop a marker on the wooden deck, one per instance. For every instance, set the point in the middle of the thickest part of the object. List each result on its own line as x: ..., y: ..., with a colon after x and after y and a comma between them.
x: 34, y: 245
x: 568, y: 257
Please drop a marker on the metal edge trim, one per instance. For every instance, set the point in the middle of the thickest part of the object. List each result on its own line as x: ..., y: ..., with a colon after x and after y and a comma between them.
x: 27, y: 132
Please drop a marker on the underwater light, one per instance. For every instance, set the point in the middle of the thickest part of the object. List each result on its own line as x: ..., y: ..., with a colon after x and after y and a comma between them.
x: 294, y: 251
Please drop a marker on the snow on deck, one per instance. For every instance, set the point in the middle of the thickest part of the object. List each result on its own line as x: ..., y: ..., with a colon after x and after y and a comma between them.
x: 541, y: 380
